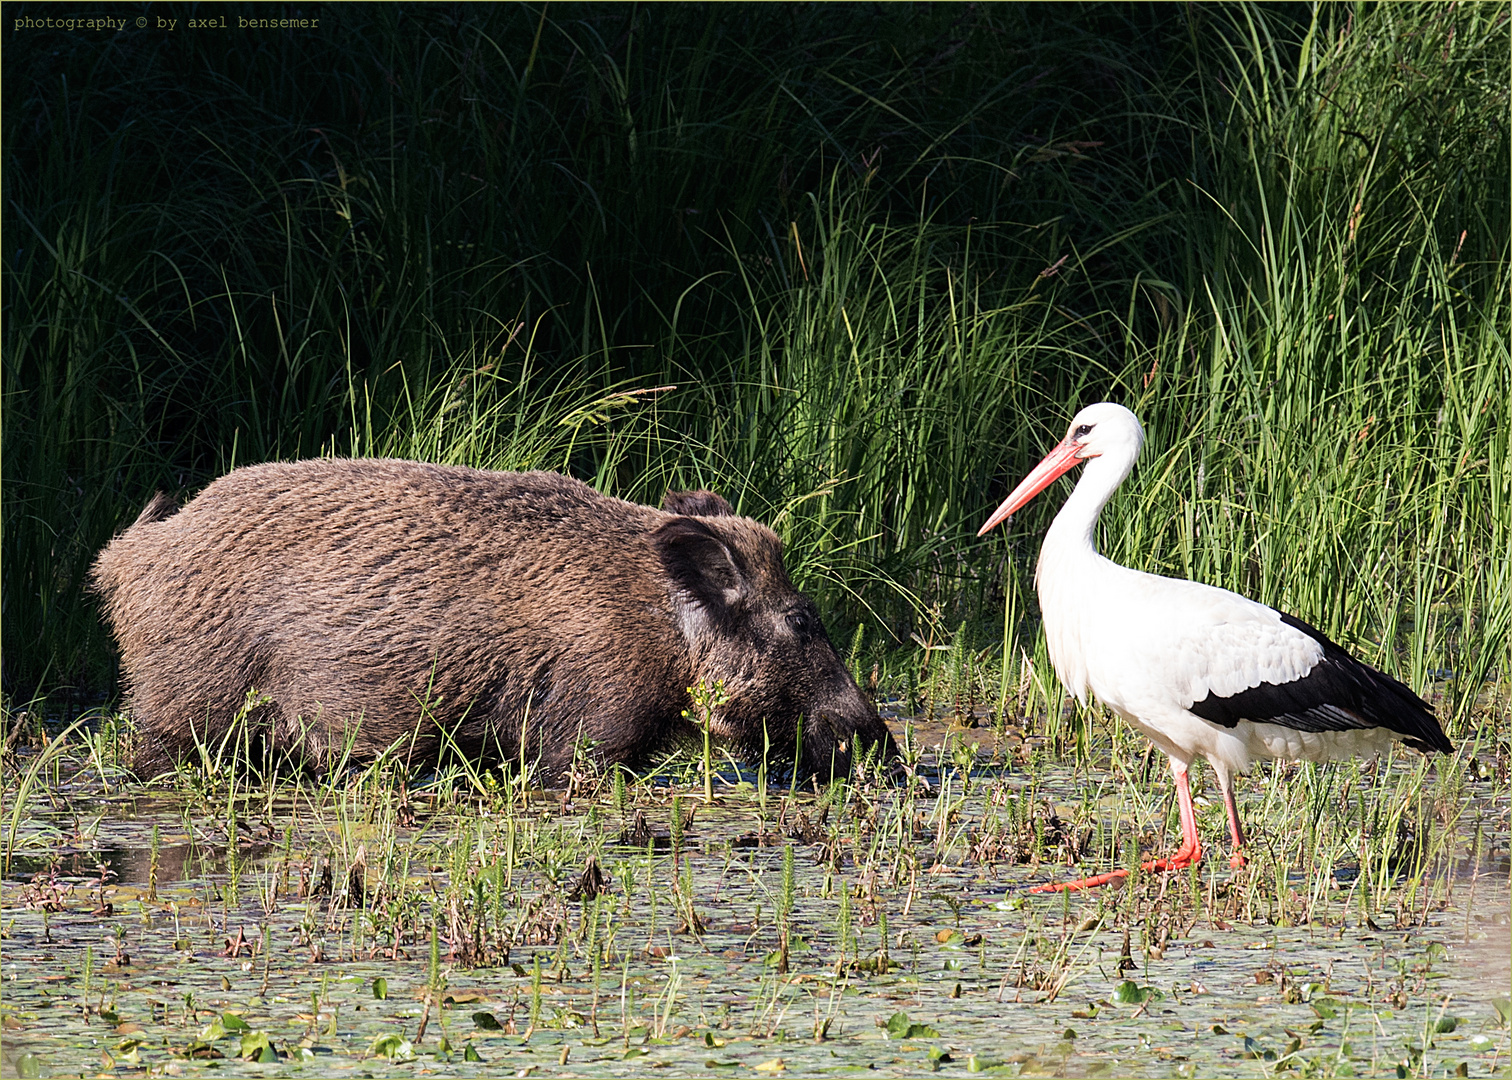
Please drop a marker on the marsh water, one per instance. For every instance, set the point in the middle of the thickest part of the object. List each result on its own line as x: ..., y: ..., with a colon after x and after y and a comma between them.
x: 456, y: 925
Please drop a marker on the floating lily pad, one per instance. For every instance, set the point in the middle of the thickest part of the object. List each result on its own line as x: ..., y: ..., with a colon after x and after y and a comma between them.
x: 900, y: 1027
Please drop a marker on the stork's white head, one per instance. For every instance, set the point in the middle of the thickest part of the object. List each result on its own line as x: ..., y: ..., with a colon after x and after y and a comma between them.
x: 1105, y: 430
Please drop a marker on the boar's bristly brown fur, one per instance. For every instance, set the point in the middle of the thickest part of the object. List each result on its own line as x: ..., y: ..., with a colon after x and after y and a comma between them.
x: 373, y: 603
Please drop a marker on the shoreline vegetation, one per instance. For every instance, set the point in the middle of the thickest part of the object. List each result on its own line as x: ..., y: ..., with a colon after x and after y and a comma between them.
x: 881, y: 259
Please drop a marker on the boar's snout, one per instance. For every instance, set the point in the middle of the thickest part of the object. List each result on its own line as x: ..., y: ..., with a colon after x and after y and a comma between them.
x: 841, y: 729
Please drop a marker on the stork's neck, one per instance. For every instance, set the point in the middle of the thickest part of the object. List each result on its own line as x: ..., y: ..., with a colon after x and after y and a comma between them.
x: 1072, y: 537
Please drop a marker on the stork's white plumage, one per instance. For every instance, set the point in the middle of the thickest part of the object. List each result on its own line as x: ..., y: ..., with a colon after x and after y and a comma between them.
x: 1199, y: 670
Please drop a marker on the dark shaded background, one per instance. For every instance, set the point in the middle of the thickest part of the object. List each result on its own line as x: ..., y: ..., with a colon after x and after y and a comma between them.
x: 225, y: 246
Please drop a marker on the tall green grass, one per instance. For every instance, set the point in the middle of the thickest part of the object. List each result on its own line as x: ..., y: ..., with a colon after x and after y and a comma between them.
x: 881, y: 257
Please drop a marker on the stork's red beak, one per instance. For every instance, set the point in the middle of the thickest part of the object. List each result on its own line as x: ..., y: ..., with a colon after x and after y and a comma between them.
x: 1057, y: 462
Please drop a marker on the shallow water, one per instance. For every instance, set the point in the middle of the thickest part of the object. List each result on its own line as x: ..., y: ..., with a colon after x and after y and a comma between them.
x: 117, y: 962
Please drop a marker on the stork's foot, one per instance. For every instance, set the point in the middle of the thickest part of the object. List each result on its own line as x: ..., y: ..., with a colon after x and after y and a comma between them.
x: 1083, y: 883
x: 1184, y: 856
x: 1237, y: 861
x: 1175, y: 862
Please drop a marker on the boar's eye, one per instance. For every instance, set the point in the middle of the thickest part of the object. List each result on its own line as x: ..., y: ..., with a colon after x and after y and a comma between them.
x: 798, y: 622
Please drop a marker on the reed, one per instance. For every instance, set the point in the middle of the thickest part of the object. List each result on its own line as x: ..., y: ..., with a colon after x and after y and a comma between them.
x: 881, y: 260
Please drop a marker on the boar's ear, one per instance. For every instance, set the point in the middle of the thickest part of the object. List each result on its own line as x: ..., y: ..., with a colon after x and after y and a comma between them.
x: 159, y: 508
x: 699, y: 563
x: 699, y: 503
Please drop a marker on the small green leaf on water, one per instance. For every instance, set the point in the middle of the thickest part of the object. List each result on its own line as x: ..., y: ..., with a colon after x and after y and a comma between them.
x: 713, y: 1064
x: 380, y: 989
x: 212, y: 1031
x: 1219, y: 1029
x: 1069, y: 1033
x: 1446, y: 1024
x: 471, y: 1053
x: 900, y: 1027
x: 256, y: 1046
x: 1325, y: 1007
x: 1129, y: 993
x: 1503, y: 1007
x: 28, y: 1066
x: 393, y: 1046
x: 232, y: 1022
x: 711, y: 1042
x: 634, y: 1052
x: 486, y: 1021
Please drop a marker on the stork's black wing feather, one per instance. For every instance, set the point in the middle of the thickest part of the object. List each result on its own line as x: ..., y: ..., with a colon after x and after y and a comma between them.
x: 1338, y: 694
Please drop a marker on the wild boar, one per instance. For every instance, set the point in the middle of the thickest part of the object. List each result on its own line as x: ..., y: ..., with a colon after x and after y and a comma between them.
x: 514, y: 617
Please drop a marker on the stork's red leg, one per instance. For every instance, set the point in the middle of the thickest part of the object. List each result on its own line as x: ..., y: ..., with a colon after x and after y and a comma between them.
x: 1237, y: 859
x: 1082, y: 883
x: 1191, y: 847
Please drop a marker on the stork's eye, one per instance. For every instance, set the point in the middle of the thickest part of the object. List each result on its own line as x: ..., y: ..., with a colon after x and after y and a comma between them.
x: 1081, y: 429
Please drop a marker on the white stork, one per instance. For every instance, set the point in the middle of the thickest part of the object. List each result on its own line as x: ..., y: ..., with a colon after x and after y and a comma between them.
x: 1199, y: 670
